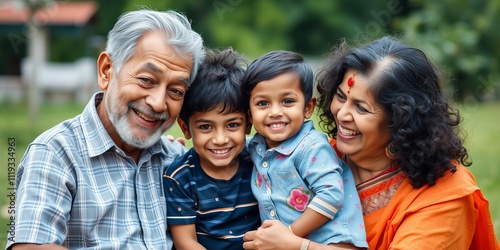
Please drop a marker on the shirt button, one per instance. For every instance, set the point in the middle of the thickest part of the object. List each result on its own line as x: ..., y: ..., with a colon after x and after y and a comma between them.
x: 268, y: 191
x: 272, y: 213
x: 264, y: 164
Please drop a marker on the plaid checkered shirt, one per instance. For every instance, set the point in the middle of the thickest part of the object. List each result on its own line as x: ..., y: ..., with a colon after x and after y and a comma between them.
x: 76, y: 188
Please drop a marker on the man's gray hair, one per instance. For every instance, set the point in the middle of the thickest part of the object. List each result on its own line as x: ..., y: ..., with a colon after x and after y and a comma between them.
x: 130, y: 27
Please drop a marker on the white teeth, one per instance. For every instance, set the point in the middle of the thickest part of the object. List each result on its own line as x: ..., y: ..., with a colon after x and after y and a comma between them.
x: 347, y: 131
x: 144, y: 117
x: 220, y: 151
x: 279, y: 125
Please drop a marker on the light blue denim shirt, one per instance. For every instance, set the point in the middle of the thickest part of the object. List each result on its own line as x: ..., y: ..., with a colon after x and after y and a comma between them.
x: 305, y: 172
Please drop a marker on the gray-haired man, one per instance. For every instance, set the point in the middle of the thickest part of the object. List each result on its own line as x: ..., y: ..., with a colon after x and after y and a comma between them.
x: 94, y: 181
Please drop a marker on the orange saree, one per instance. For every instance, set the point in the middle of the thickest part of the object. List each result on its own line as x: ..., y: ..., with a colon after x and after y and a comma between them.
x: 453, y: 214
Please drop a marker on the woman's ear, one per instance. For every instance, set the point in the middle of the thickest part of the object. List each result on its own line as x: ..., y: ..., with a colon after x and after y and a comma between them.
x: 309, y: 108
x: 184, y: 127
x: 104, y: 70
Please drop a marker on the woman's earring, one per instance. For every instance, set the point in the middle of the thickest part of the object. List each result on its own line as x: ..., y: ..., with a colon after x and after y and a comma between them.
x: 388, y: 151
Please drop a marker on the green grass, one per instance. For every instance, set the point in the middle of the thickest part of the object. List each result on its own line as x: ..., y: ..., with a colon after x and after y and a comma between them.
x: 480, y: 123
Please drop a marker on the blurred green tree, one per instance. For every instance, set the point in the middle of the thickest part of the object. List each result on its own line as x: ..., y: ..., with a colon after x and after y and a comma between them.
x: 256, y: 27
x: 462, y: 36
x: 463, y: 40
x: 107, y: 14
x: 64, y: 41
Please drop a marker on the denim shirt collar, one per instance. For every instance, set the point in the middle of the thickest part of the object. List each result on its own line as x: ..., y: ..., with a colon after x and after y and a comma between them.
x: 286, y: 147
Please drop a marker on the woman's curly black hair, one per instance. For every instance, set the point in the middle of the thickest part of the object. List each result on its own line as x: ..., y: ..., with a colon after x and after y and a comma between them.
x: 424, y: 128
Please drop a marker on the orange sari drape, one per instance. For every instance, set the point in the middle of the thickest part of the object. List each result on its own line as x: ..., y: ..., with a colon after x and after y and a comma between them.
x: 452, y: 214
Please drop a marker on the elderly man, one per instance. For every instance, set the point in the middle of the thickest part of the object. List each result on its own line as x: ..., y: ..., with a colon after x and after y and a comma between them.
x: 94, y: 181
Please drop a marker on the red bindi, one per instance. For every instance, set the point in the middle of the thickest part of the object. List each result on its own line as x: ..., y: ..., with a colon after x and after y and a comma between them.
x: 350, y: 82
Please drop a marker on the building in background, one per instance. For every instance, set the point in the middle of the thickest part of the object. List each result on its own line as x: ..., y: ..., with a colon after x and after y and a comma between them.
x: 21, y: 45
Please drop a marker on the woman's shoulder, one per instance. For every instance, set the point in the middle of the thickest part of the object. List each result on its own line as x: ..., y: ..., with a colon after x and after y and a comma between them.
x: 461, y: 180
x: 452, y: 186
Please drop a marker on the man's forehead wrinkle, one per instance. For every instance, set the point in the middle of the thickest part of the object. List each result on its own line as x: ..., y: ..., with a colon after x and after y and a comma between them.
x: 150, y: 66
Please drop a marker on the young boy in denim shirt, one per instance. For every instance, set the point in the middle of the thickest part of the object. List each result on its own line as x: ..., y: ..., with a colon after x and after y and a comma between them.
x: 298, y: 178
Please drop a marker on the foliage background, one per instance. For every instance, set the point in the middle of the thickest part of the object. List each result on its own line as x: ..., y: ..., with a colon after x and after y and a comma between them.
x: 460, y: 35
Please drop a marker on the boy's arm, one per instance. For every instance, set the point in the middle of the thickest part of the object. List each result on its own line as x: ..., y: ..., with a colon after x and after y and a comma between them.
x: 309, y: 221
x: 181, y: 208
x: 184, y: 237
x: 320, y: 169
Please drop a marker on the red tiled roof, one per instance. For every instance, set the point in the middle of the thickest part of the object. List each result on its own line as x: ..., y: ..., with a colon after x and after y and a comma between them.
x: 59, y: 13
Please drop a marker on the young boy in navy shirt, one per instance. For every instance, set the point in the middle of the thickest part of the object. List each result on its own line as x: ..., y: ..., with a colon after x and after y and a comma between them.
x: 210, y: 204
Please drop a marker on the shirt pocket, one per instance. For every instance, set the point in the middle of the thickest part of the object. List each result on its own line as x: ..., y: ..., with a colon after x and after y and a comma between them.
x: 287, y: 178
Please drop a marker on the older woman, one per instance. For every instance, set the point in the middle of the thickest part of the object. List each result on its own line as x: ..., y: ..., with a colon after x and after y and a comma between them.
x: 394, y: 128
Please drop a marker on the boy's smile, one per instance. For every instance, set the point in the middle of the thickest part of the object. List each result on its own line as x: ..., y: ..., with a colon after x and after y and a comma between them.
x: 218, y: 140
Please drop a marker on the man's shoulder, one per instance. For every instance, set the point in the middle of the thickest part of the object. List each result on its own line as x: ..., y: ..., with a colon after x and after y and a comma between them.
x: 65, y: 132
x: 172, y: 147
x: 70, y: 130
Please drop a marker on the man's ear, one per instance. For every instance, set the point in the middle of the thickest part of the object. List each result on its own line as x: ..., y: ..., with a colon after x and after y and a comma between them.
x: 104, y: 70
x: 184, y: 127
x: 309, y: 108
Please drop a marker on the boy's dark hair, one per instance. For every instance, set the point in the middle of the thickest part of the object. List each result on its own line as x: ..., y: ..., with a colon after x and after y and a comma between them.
x: 274, y: 63
x: 217, y: 83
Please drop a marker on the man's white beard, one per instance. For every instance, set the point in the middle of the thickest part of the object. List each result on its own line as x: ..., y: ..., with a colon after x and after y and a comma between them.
x: 122, y: 126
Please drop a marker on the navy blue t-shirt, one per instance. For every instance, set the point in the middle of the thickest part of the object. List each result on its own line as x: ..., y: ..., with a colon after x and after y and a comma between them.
x: 223, y: 210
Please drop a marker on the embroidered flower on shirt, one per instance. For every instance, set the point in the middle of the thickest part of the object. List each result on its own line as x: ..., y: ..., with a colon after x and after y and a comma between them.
x: 298, y: 199
x: 259, y: 180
